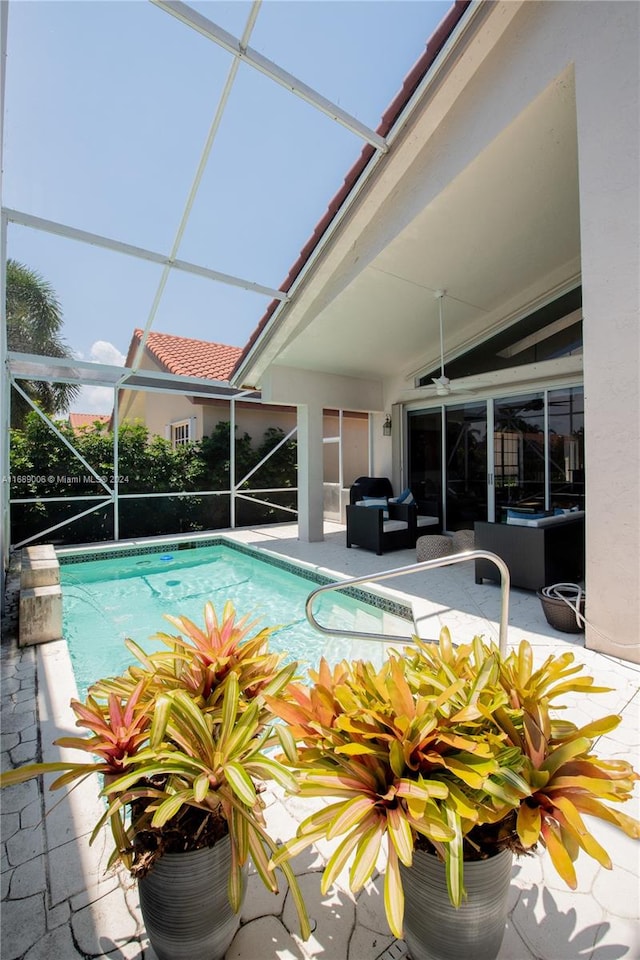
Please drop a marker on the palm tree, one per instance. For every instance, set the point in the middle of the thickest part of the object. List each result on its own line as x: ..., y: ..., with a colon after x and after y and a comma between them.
x: 34, y: 322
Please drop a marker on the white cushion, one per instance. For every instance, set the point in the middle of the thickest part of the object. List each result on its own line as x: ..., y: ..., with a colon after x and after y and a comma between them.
x: 428, y: 521
x: 405, y: 497
x: 390, y: 525
x: 373, y: 502
x: 376, y: 503
x: 546, y: 521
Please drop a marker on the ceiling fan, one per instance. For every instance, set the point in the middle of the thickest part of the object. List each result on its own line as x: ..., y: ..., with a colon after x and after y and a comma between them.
x: 443, y: 384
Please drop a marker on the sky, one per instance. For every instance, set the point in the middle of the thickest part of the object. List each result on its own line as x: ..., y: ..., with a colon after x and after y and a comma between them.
x: 108, y: 104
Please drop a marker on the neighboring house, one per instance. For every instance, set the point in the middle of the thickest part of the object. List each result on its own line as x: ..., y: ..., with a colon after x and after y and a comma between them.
x: 182, y: 418
x: 179, y: 417
x: 512, y: 183
x: 87, y: 422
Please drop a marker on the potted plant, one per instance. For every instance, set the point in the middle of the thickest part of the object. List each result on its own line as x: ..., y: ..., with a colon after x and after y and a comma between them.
x: 451, y: 756
x: 181, y: 741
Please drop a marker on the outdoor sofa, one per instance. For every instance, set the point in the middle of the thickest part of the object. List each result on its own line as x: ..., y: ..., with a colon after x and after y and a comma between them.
x: 539, y: 551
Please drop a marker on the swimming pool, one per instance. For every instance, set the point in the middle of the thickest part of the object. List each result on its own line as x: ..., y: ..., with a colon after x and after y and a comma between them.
x: 110, y: 595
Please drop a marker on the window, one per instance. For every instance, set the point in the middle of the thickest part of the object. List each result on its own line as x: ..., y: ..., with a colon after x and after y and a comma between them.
x: 180, y: 433
x: 550, y: 332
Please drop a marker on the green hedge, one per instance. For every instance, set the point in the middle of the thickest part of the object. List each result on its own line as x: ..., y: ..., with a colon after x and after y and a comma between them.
x: 43, y: 466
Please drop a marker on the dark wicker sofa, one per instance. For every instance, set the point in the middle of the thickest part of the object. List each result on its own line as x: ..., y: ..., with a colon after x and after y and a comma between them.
x: 537, y: 556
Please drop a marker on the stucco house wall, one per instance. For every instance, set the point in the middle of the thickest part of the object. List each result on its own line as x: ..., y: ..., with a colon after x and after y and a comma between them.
x: 251, y: 418
x: 595, y: 60
x: 525, y: 66
x: 156, y: 410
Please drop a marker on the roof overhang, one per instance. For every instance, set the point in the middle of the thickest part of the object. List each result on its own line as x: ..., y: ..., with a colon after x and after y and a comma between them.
x: 495, y: 224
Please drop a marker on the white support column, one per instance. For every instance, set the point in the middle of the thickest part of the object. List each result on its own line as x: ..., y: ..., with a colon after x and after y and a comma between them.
x: 116, y: 465
x: 310, y: 473
x: 608, y: 106
x: 232, y: 463
x: 340, y: 456
x: 5, y: 414
x: 5, y: 397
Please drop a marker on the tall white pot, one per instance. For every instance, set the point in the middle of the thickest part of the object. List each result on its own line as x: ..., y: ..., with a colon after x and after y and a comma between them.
x: 185, y: 906
x: 436, y: 930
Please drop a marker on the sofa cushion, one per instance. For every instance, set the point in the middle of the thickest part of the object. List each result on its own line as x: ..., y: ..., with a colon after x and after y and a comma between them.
x: 514, y: 514
x: 390, y: 525
x: 427, y: 521
x: 405, y: 497
x: 376, y: 503
x: 548, y: 521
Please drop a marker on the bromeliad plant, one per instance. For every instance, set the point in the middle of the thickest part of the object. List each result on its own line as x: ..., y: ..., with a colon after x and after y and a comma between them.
x: 452, y: 749
x: 181, y: 739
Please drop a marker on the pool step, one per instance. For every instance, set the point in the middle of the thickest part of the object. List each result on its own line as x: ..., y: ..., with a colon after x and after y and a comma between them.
x: 40, y: 567
x: 40, y: 612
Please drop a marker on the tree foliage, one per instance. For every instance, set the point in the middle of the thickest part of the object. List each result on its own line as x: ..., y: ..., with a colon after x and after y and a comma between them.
x: 43, y: 466
x: 34, y: 324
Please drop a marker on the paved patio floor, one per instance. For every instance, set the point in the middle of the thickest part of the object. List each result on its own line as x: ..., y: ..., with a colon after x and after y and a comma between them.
x: 58, y: 903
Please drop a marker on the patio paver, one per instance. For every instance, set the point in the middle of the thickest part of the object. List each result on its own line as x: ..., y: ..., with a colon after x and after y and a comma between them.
x: 57, y: 902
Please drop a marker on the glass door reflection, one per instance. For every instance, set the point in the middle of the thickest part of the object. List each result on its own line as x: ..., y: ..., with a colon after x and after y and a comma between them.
x: 519, y: 453
x: 425, y: 459
x: 466, y: 465
x: 566, y: 447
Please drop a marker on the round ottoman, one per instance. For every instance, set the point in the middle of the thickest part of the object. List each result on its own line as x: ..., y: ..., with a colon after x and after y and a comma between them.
x: 433, y: 546
x: 463, y: 540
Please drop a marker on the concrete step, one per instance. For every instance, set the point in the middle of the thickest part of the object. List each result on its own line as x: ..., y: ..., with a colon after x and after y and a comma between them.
x: 40, y: 616
x: 39, y: 567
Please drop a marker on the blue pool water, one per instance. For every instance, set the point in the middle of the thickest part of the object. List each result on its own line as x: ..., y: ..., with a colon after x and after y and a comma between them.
x: 106, y: 600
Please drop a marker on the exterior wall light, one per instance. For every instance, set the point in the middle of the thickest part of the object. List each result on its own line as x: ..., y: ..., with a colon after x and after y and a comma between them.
x: 386, y: 427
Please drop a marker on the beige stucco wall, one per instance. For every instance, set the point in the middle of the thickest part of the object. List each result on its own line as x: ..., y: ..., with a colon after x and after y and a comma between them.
x: 253, y: 419
x: 608, y: 106
x: 601, y: 49
x: 157, y: 410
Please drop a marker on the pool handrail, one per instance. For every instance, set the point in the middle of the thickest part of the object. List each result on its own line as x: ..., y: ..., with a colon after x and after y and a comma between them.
x: 505, y: 582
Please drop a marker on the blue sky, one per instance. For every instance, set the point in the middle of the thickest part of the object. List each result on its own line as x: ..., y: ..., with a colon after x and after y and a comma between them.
x: 108, y: 104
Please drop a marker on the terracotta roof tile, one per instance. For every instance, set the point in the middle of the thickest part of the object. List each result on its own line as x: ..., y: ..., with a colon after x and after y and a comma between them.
x: 187, y: 357
x: 78, y: 421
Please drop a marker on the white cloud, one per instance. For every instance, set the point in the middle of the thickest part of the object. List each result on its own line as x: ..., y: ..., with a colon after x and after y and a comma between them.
x: 104, y: 352
x: 98, y: 399
x: 93, y: 400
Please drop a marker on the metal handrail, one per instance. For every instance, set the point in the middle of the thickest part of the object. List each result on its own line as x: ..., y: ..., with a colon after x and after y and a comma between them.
x: 505, y: 583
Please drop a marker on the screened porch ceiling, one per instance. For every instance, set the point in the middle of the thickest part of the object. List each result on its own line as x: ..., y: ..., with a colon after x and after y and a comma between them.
x: 162, y: 262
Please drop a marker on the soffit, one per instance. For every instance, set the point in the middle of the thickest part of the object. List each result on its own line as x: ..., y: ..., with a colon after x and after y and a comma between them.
x: 503, y: 234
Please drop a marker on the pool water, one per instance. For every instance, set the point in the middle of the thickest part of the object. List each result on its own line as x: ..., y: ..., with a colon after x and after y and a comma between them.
x: 107, y: 600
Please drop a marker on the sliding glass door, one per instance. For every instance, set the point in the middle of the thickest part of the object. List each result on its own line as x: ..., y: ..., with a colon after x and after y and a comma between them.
x: 471, y: 461
x: 463, y: 498
x: 519, y: 452
x: 466, y: 465
x: 425, y: 459
x: 566, y: 447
